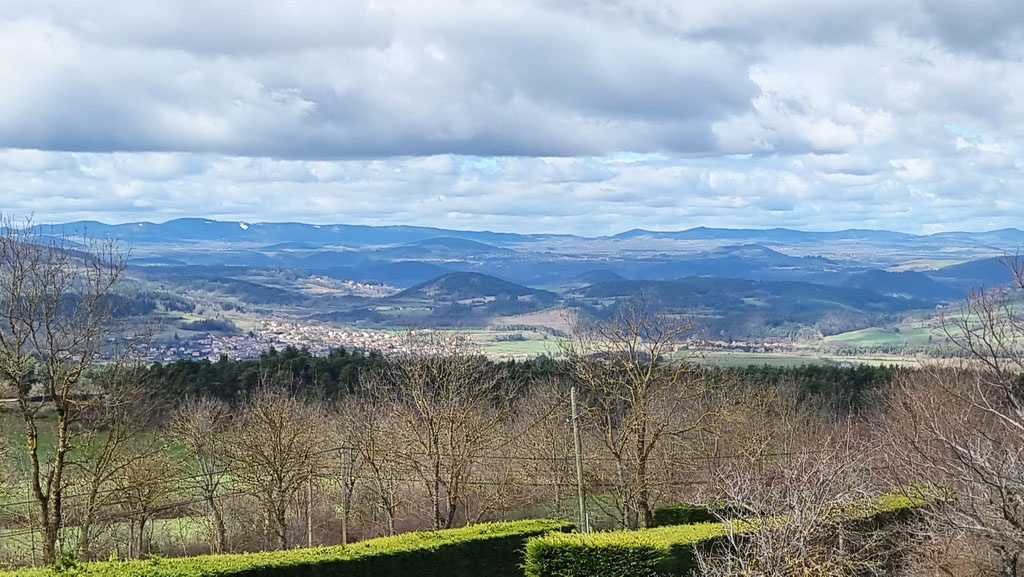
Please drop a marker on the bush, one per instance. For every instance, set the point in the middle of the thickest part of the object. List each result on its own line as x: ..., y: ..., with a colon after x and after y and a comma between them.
x: 484, y: 549
x: 690, y: 514
x: 662, y: 551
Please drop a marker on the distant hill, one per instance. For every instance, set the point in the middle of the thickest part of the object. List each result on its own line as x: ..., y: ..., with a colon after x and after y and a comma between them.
x: 995, y: 236
x: 399, y: 274
x: 781, y: 235
x: 457, y: 244
x: 440, y: 248
x: 744, y: 261
x: 739, y: 293
x: 267, y: 233
x: 458, y: 286
x: 985, y: 272
x: 290, y: 246
x: 597, y: 276
x: 747, y: 309
x: 908, y: 284
x: 470, y: 299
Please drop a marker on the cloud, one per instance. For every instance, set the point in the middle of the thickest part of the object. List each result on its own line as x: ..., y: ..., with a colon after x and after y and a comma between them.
x: 584, y: 195
x: 334, y: 80
x: 587, y: 116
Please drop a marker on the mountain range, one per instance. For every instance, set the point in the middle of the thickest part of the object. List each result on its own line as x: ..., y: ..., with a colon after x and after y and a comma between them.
x: 742, y: 281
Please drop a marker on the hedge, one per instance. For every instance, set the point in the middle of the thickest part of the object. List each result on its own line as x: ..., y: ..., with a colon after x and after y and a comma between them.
x: 660, y: 551
x: 483, y: 549
x: 690, y: 514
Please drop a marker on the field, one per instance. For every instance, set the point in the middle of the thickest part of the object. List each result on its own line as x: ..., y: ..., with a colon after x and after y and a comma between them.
x: 180, y: 534
x: 910, y: 337
x: 502, y: 343
x: 730, y: 359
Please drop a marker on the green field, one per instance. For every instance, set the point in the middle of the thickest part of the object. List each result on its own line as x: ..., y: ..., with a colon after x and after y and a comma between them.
x: 535, y: 343
x: 530, y: 348
x: 726, y: 359
x: 915, y: 337
x: 175, y: 534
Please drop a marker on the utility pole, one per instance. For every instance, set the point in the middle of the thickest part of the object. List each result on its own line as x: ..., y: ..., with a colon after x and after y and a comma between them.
x: 309, y: 508
x: 584, y: 521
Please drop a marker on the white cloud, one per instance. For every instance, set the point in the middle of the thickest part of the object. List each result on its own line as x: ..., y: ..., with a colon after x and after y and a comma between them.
x: 590, y: 117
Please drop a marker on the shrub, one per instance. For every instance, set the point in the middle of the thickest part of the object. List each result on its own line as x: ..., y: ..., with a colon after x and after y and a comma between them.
x: 690, y: 514
x: 662, y: 551
x: 484, y: 549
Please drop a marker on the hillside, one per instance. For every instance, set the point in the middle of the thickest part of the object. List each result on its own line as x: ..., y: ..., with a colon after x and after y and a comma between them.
x: 984, y: 272
x: 741, y: 309
x: 906, y: 284
x: 459, y: 286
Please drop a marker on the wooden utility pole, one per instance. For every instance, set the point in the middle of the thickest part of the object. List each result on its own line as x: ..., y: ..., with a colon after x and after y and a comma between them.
x: 584, y: 524
x: 309, y: 509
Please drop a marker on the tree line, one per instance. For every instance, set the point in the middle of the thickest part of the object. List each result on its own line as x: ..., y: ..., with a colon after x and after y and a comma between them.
x: 338, y: 373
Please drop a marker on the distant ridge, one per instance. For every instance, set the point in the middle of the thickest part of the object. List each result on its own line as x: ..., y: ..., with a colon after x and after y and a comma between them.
x: 200, y: 229
x: 780, y: 234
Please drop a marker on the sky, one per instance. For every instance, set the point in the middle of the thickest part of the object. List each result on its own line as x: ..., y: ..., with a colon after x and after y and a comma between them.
x: 570, y: 116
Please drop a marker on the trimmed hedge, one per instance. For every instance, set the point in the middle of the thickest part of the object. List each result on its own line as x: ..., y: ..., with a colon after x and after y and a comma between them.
x: 485, y: 549
x: 690, y: 514
x: 663, y: 550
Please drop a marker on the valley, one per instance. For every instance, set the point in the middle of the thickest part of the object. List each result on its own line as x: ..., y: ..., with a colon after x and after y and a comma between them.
x: 221, y: 288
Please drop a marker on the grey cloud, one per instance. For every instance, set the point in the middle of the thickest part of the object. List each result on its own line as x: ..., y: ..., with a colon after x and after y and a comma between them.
x: 987, y: 27
x: 592, y: 116
x: 427, y: 79
x: 226, y: 27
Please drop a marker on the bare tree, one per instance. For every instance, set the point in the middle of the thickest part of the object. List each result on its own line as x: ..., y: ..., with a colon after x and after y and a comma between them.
x: 111, y: 441
x: 543, y: 445
x: 800, y: 492
x: 55, y: 315
x: 638, y: 395
x: 957, y: 426
x: 346, y: 422
x: 200, y: 427
x: 145, y: 487
x: 276, y: 442
x: 371, y: 433
x: 452, y: 405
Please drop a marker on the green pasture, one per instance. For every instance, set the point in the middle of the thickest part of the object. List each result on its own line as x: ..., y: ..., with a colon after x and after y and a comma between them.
x: 170, y: 534
x: 911, y: 337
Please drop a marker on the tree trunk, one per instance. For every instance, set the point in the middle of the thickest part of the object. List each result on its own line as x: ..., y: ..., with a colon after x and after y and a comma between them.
x: 50, y: 533
x: 218, y: 523
x: 643, y: 497
x: 453, y: 507
x: 131, y: 539
x: 391, y: 520
x: 624, y: 491
x: 142, y: 537
x: 346, y: 508
x: 85, y: 538
x: 281, y: 526
x: 344, y: 526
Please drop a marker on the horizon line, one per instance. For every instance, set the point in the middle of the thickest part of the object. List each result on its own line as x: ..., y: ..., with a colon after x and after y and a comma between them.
x: 526, y: 234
